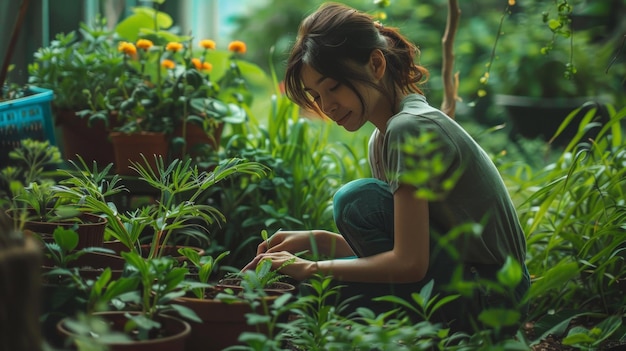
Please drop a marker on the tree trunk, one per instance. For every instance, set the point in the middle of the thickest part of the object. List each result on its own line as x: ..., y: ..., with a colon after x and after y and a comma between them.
x: 450, y: 81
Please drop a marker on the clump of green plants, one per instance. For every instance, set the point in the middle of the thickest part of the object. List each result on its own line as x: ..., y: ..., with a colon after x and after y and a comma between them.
x: 205, y: 266
x: 29, y: 162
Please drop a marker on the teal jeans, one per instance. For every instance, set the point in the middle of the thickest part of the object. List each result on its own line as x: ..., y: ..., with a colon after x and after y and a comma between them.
x: 363, y: 211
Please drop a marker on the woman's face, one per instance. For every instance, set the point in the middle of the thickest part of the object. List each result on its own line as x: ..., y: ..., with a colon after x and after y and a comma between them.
x: 336, y: 100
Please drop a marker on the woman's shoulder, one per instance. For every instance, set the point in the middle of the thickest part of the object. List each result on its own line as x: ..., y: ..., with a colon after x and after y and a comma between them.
x: 416, y: 113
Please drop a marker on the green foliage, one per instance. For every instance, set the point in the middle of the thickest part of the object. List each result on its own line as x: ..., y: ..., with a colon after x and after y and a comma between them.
x: 574, y: 220
x: 63, y: 248
x: 74, y: 63
x: 425, y: 304
x: 160, y: 279
x: 263, y: 276
x: 26, y: 180
x: 180, y: 185
x: 205, y: 265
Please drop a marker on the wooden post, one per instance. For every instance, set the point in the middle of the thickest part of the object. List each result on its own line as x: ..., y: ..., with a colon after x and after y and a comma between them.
x: 20, y: 289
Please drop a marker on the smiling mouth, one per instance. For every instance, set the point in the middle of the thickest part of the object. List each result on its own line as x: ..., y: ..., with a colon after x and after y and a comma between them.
x: 343, y: 119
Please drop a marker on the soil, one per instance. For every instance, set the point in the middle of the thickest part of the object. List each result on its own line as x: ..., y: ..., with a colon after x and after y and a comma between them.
x: 553, y: 343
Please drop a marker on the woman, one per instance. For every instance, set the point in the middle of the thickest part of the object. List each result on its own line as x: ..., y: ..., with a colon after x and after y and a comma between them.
x: 430, y: 177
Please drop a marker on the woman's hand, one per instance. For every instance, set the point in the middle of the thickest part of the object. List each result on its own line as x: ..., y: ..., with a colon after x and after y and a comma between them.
x: 290, y: 241
x: 299, y: 269
x: 328, y: 244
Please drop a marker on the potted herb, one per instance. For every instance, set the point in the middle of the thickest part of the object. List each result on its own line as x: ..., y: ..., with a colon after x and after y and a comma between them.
x: 80, y: 67
x: 223, y: 309
x: 175, y: 214
x: 35, y: 201
x: 144, y: 320
x: 78, y: 279
x: 166, y: 91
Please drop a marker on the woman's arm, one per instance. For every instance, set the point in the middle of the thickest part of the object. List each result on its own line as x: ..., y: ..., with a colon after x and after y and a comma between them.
x: 407, y: 262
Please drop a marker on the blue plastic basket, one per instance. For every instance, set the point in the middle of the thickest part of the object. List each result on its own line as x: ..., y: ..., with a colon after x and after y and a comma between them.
x: 27, y: 117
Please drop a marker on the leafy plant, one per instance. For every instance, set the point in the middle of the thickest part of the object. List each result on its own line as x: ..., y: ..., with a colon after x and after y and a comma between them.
x: 263, y: 276
x: 26, y: 180
x: 160, y: 279
x: 205, y: 265
x: 180, y: 184
x: 77, y: 62
x: 71, y: 291
x: 166, y: 84
x: 63, y: 248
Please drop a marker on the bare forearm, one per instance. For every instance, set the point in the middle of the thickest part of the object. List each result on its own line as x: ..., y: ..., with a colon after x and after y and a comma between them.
x: 332, y: 244
x: 386, y: 267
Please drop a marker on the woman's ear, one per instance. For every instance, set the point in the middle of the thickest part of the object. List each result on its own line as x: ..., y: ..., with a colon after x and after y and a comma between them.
x: 378, y: 64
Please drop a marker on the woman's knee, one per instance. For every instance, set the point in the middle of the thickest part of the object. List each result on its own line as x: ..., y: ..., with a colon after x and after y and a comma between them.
x: 360, y: 191
x: 363, y: 211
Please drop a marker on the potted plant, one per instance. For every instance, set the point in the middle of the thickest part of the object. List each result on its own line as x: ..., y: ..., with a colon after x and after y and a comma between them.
x: 80, y: 67
x: 543, y: 71
x: 166, y: 92
x: 77, y: 279
x: 143, y: 319
x: 34, y: 201
x: 176, y: 213
x: 223, y: 309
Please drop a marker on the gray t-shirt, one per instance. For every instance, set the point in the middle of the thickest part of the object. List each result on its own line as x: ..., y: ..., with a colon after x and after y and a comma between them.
x: 425, y: 148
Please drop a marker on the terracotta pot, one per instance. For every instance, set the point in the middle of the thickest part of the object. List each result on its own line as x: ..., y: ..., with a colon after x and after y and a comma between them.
x: 274, y: 289
x: 196, y: 137
x: 90, y: 142
x: 222, y: 323
x: 91, y: 264
x: 90, y: 230
x: 130, y: 147
x: 175, y: 331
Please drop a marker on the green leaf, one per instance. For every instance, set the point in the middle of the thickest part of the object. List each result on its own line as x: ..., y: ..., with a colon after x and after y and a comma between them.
x: 67, y: 239
x: 499, y: 317
x: 510, y: 275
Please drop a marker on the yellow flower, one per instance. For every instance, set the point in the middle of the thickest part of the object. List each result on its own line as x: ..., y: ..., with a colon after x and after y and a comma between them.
x: 174, y: 46
x: 127, y: 48
x: 144, y: 44
x: 237, y: 46
x: 485, y: 78
x: 196, y: 63
x: 207, y: 44
x: 511, y: 2
x: 207, y: 67
x: 168, y: 64
x: 482, y: 93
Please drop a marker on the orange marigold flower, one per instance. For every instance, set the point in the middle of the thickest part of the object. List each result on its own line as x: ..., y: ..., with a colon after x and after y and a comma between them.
x: 207, y: 67
x: 168, y: 64
x: 174, y: 46
x: 207, y: 44
x: 196, y: 63
x: 127, y: 48
x: 511, y: 2
x: 144, y: 44
x: 237, y: 46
